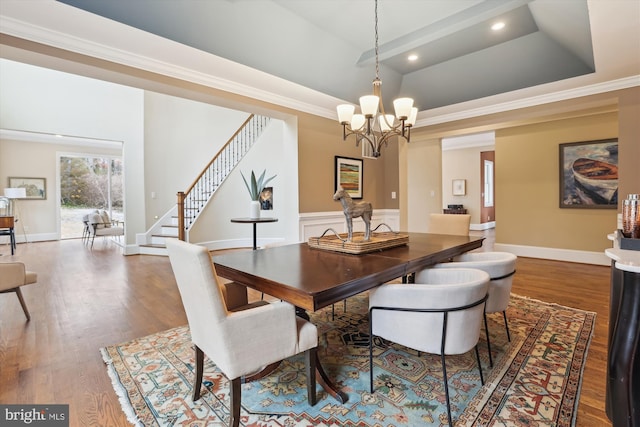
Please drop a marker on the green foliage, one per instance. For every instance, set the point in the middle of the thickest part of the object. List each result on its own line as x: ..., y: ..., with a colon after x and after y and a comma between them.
x: 256, y: 186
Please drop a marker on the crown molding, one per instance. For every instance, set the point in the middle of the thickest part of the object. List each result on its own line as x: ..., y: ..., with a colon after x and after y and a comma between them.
x: 283, y: 93
x: 562, y: 95
x: 65, y: 41
x: 48, y: 138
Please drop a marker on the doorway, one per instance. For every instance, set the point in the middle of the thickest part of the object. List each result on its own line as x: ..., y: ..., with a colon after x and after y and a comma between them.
x: 487, y: 180
x: 88, y: 182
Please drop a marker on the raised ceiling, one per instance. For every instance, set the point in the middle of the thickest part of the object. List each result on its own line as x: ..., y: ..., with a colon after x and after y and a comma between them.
x: 327, y: 45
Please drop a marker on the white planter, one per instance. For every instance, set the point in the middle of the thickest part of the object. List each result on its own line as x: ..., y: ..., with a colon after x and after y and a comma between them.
x: 254, y: 209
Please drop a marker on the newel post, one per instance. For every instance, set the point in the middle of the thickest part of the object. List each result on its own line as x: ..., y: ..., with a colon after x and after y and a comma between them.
x: 181, y: 235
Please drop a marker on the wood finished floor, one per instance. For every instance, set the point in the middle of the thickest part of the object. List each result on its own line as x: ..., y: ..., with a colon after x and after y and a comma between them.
x: 85, y: 300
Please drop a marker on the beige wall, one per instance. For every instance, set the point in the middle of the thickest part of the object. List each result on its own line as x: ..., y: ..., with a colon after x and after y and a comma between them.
x: 464, y: 164
x: 629, y: 140
x: 320, y: 140
x: 527, y: 186
x: 39, y: 218
x: 422, y: 194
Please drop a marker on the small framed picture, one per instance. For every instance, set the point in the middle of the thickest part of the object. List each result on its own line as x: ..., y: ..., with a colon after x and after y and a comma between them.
x: 35, y: 188
x: 349, y: 176
x: 459, y: 187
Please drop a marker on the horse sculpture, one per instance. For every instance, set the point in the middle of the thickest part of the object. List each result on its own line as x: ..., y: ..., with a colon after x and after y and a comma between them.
x: 353, y: 210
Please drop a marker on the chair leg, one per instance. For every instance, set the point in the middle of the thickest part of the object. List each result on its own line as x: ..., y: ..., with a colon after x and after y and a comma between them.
x: 311, y: 357
x: 370, y: 356
x: 479, y: 365
x: 486, y: 330
x: 234, y: 421
x: 333, y: 312
x: 344, y: 306
x: 197, y: 383
x: 506, y: 324
x: 446, y: 388
x: 23, y: 304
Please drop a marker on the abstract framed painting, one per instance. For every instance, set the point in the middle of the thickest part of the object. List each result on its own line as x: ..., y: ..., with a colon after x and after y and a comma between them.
x: 589, y: 174
x: 348, y: 175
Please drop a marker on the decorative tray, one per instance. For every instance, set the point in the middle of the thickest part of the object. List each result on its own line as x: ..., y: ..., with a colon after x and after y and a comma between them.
x: 378, y: 241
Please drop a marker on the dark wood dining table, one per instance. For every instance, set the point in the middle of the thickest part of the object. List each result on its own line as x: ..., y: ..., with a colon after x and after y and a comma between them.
x: 312, y: 278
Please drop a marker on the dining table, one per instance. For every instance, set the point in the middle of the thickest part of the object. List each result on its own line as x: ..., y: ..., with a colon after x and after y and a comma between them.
x: 311, y: 278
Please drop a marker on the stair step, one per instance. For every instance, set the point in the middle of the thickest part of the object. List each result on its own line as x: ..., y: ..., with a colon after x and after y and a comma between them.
x: 153, y: 245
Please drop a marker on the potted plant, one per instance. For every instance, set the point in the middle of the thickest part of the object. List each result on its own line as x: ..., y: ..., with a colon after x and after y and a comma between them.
x: 255, y: 187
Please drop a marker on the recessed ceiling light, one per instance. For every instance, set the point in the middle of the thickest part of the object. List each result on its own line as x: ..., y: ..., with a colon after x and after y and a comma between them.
x: 412, y: 57
x: 497, y: 26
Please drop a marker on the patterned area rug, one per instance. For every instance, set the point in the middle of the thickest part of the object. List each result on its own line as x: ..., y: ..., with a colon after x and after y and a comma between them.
x: 535, y: 380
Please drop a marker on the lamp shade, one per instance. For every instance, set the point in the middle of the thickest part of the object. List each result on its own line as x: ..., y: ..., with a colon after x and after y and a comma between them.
x: 403, y: 107
x: 369, y: 105
x: 15, y: 193
x: 345, y: 113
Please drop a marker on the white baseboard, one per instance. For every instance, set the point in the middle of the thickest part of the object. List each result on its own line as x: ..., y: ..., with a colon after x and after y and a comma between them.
x: 483, y: 226
x: 569, y: 255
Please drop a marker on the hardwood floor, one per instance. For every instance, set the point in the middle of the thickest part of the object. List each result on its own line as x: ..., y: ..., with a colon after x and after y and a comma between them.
x: 85, y: 300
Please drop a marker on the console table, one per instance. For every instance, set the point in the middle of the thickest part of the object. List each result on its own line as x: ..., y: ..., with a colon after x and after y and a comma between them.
x: 454, y: 211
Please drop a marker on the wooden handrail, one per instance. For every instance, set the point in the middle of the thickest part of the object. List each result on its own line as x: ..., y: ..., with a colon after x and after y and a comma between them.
x: 217, y: 154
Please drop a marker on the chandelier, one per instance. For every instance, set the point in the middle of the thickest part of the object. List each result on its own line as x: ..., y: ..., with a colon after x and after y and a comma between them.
x: 372, y: 124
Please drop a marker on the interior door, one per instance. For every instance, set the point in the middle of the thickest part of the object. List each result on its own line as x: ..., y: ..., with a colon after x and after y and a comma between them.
x: 487, y: 179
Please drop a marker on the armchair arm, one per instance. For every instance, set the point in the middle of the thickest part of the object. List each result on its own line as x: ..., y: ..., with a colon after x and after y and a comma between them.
x: 12, y: 275
x: 258, y: 336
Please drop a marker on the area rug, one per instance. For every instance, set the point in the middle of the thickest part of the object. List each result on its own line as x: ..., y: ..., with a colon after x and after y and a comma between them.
x: 535, y: 380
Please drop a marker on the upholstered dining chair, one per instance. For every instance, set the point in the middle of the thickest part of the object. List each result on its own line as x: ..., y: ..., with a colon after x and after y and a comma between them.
x: 13, y: 275
x: 501, y: 266
x: 440, y: 314
x: 239, y: 338
x: 455, y: 224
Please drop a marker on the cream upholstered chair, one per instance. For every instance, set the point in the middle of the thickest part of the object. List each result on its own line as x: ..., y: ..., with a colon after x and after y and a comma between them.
x: 239, y: 338
x: 440, y: 314
x: 98, y: 223
x: 456, y: 224
x: 501, y: 266
x: 13, y: 275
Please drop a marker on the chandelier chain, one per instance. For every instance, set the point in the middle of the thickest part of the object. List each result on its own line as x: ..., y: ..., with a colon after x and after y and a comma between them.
x: 376, y: 32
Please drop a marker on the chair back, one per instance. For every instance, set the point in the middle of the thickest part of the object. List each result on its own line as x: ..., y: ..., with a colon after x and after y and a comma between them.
x: 453, y: 224
x: 201, y: 295
x: 500, y: 266
x: 415, y: 313
x: 12, y: 275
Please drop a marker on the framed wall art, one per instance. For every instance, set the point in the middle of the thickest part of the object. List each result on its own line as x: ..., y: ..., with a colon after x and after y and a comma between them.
x: 36, y: 188
x: 589, y: 174
x: 459, y: 187
x: 348, y: 175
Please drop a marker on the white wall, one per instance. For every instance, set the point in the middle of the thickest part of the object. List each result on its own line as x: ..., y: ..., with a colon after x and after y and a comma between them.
x: 35, y: 99
x: 166, y: 140
x: 181, y: 137
x: 276, y: 151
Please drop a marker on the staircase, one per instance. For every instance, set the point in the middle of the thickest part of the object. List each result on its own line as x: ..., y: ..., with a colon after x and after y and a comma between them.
x: 177, y: 222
